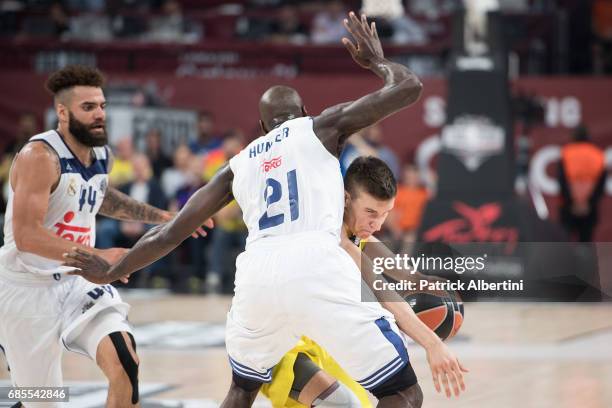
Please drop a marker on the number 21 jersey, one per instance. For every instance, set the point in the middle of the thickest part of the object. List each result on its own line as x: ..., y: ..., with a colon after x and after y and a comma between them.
x: 287, y: 182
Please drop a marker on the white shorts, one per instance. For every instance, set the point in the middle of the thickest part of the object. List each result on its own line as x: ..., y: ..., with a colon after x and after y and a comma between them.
x: 308, y: 285
x: 41, y: 316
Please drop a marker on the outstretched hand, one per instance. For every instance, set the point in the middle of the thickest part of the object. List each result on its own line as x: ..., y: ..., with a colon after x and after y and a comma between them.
x: 92, y: 267
x: 365, y: 47
x: 446, y: 370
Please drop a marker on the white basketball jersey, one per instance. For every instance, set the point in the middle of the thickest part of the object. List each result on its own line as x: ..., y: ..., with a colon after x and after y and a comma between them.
x: 72, y: 210
x: 287, y: 182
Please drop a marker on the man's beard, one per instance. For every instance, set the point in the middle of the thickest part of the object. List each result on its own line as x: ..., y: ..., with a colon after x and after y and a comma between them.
x: 83, y: 133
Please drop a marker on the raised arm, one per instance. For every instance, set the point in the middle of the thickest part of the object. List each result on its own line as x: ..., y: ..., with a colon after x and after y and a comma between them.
x: 162, y: 239
x: 401, y: 88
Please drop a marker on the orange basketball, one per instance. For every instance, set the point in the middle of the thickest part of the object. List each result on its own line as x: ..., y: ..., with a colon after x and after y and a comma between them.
x: 442, y: 314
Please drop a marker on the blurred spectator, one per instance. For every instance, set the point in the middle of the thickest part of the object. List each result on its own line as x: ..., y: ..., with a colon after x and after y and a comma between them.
x: 433, y: 9
x: 26, y: 128
x: 172, y: 26
x: 88, y: 6
x: 582, y: 178
x: 122, y: 171
x: 369, y: 142
x: 327, y: 27
x: 228, y: 241
x: 91, y: 27
x: 392, y: 22
x: 407, y: 30
x: 113, y: 233
x: 54, y: 24
x: 230, y: 232
x: 232, y: 144
x: 206, y: 140
x: 580, y: 35
x: 153, y: 149
x: 175, y: 177
x: 409, y: 205
x: 190, y: 274
x: 287, y: 27
x: 602, y: 28
x: 146, y: 189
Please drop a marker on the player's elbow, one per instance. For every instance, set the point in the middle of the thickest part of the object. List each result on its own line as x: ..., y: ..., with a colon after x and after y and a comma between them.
x: 410, y: 90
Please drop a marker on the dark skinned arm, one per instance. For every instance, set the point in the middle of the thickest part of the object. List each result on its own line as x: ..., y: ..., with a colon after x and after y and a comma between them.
x: 162, y: 239
x: 401, y: 89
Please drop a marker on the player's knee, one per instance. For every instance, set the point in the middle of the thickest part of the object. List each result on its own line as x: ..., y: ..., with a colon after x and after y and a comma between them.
x: 337, y: 396
x: 403, y: 383
x: 244, y: 385
x: 414, y: 396
x: 125, y: 367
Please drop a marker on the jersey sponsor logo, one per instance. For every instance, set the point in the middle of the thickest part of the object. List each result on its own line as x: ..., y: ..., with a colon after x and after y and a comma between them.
x: 272, y: 164
x: 264, y: 146
x: 80, y: 235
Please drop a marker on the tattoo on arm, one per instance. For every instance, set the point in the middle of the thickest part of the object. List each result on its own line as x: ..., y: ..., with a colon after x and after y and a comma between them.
x: 122, y: 207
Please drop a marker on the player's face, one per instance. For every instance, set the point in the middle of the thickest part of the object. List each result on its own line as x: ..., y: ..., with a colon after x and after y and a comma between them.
x: 87, y: 116
x: 364, y: 214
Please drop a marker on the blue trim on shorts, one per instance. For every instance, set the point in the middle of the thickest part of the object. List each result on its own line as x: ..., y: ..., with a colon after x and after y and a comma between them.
x: 393, y: 337
x: 248, y: 373
x: 395, y: 365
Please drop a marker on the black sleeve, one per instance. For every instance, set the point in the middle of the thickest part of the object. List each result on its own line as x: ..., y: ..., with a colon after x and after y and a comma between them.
x: 599, y: 189
x: 565, y: 193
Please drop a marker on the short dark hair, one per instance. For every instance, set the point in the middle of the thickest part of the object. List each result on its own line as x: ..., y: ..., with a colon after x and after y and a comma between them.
x: 74, y: 75
x: 373, y: 176
x: 580, y: 133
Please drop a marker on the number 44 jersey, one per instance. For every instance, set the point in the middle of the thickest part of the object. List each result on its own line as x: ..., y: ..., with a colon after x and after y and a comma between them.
x: 72, y: 207
x: 287, y: 182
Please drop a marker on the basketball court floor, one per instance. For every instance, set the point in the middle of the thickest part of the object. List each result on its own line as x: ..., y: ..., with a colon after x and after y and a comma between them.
x: 519, y: 355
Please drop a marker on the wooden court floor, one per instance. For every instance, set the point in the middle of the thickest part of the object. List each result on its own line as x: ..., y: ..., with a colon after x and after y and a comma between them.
x: 519, y: 354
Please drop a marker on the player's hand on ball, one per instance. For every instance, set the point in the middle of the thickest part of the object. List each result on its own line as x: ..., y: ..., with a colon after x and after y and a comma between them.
x: 446, y: 369
x: 365, y: 47
x: 93, y: 267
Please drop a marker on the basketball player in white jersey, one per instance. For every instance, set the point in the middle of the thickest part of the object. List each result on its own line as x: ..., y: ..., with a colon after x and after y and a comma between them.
x: 58, y: 183
x: 294, y: 279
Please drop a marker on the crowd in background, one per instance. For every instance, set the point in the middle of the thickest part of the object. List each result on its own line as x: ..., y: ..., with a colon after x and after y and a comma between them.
x: 587, y: 33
